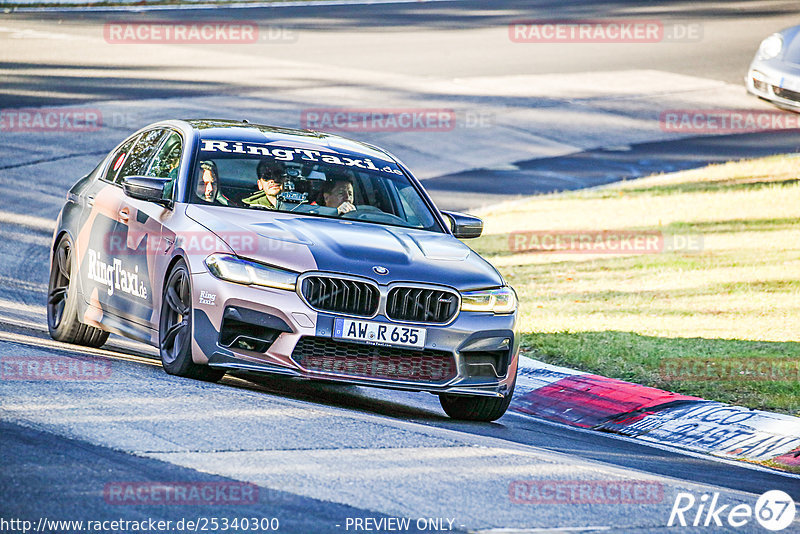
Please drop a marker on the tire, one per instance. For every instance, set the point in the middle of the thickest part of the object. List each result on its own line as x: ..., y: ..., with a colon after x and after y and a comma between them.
x: 62, y: 301
x: 175, y: 329
x: 468, y: 408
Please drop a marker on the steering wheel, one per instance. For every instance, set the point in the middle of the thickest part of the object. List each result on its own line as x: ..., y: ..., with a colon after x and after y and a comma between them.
x: 366, y: 208
x: 365, y: 212
x: 361, y: 212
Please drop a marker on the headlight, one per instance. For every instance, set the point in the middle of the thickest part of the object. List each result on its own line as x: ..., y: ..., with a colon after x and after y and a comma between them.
x: 770, y: 47
x: 500, y: 300
x: 234, y: 269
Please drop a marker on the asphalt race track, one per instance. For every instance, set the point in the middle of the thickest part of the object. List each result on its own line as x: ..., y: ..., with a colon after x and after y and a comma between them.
x: 319, y: 457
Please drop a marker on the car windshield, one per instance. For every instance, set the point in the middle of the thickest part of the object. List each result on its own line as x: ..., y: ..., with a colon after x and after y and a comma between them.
x: 314, y: 181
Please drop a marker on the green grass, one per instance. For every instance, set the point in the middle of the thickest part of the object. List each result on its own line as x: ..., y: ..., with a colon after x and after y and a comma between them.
x: 735, y: 300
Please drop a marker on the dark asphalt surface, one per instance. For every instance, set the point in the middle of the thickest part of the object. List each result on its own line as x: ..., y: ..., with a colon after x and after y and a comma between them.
x: 603, y: 166
x: 730, y: 30
x: 424, y: 409
x: 60, y: 479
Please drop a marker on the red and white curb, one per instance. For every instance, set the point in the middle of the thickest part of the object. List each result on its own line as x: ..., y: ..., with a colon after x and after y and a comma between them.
x: 606, y: 404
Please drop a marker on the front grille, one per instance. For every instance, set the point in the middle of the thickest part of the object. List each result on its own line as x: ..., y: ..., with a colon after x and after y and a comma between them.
x: 367, y: 361
x: 421, y: 305
x: 785, y: 93
x: 340, y: 295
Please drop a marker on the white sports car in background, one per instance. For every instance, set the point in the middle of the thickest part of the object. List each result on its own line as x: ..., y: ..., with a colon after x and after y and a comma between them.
x: 774, y: 74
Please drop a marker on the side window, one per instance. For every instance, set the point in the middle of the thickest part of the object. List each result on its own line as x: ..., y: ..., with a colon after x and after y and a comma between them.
x: 118, y: 159
x: 416, y: 213
x: 136, y: 162
x: 167, y: 160
x: 376, y: 192
x: 166, y: 163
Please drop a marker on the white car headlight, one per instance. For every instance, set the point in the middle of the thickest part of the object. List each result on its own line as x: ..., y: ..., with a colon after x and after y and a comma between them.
x: 234, y: 269
x: 500, y: 300
x: 770, y: 47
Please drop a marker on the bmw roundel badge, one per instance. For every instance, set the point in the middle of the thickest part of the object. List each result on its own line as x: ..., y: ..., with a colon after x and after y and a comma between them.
x: 380, y: 270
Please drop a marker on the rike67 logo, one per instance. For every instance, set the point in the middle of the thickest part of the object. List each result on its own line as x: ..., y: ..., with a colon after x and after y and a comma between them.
x: 774, y: 510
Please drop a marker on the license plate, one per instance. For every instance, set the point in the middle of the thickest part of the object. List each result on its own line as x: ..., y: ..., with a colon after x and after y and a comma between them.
x: 379, y: 333
x: 789, y: 84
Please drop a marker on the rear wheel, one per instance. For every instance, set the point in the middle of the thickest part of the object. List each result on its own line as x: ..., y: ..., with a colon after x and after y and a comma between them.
x: 475, y: 408
x: 175, y: 329
x: 62, y: 301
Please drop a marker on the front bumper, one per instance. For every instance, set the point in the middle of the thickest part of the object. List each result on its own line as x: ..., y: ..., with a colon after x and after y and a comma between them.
x: 779, y: 86
x: 260, y: 329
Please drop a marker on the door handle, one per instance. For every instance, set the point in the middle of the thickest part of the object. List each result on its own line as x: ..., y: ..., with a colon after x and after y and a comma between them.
x: 90, y: 201
x: 124, y: 215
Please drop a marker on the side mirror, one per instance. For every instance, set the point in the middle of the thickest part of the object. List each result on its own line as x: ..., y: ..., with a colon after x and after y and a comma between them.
x: 464, y: 226
x: 146, y: 188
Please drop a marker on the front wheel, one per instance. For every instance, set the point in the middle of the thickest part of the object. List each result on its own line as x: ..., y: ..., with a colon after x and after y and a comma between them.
x: 475, y: 408
x: 175, y: 329
x: 62, y: 301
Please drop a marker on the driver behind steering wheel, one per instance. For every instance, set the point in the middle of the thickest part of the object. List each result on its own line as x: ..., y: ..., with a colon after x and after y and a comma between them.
x: 337, y: 192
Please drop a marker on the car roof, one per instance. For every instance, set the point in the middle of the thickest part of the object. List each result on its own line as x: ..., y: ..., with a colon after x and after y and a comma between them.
x: 228, y: 130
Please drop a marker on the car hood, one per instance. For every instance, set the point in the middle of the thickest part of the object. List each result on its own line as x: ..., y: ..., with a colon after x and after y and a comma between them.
x: 791, y: 45
x: 308, y: 243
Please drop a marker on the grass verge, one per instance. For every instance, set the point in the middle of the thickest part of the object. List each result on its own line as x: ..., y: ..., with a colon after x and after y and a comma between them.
x: 706, y: 302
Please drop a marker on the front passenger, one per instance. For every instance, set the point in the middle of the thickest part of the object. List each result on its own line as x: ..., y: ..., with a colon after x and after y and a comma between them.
x: 208, y: 184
